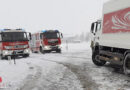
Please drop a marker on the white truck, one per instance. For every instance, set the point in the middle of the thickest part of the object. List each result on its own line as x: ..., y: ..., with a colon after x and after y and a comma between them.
x: 111, y: 35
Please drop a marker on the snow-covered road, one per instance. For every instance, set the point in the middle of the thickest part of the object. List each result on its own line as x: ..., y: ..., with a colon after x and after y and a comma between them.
x: 70, y: 70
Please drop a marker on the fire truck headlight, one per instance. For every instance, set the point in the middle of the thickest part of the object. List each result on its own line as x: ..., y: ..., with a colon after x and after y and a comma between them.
x: 26, y: 51
x: 25, y: 46
x: 46, y: 47
x: 5, y: 52
x: 59, y: 46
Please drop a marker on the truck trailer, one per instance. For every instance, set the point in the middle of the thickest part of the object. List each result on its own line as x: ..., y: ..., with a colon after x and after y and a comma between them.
x: 14, y: 41
x: 46, y: 41
x: 111, y: 35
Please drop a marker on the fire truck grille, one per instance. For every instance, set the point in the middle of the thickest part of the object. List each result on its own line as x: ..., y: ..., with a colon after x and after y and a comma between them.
x: 19, y: 46
x: 53, y: 42
x: 16, y: 46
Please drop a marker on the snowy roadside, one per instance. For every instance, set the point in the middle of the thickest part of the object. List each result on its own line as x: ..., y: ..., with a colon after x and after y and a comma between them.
x: 36, y: 70
x: 78, y: 59
x: 12, y: 74
x: 71, y: 70
x: 50, y: 76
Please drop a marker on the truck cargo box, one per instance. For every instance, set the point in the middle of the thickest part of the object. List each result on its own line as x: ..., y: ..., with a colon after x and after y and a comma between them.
x: 115, y: 30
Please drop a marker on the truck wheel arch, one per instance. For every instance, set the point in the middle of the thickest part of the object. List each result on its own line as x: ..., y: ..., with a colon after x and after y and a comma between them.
x: 126, y: 52
x: 126, y: 68
x: 96, y: 48
x: 96, y: 60
x: 41, y: 49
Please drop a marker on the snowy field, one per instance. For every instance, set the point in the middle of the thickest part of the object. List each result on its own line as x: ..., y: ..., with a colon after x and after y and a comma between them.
x: 71, y: 70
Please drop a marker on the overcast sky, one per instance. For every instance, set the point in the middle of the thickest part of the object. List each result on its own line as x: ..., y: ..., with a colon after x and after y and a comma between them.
x: 68, y: 16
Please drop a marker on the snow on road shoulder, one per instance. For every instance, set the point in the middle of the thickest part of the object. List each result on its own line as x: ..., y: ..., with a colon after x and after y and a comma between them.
x: 12, y: 74
x: 60, y: 78
x: 49, y: 75
x: 78, y: 56
x: 75, y: 47
x: 73, y: 69
x: 105, y: 77
x: 37, y: 73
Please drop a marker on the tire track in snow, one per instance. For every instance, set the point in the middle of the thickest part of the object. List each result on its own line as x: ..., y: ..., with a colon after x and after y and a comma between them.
x: 70, y: 56
x: 85, y: 80
x: 31, y: 80
x: 74, y: 57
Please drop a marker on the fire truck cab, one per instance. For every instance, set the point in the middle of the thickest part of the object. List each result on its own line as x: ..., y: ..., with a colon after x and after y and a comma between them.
x: 46, y: 41
x: 14, y: 41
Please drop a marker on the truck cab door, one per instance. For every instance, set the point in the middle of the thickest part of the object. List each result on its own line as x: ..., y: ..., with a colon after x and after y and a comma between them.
x: 95, y: 30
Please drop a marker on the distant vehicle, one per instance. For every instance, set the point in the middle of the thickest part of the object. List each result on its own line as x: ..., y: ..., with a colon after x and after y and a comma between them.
x: 111, y: 36
x: 14, y: 40
x: 46, y: 41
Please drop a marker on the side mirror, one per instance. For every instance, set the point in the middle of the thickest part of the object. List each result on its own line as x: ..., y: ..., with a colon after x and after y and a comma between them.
x: 41, y: 36
x: 92, y: 27
x: 30, y: 36
x: 0, y: 37
x: 61, y: 35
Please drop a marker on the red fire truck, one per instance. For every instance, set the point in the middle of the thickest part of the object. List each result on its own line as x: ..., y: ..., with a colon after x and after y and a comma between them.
x: 46, y: 41
x: 14, y: 40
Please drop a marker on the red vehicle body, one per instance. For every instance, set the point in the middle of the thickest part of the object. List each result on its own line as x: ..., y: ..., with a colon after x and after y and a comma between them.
x: 14, y: 41
x: 46, y: 41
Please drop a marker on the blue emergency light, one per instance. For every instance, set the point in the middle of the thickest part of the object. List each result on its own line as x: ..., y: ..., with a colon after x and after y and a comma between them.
x: 21, y: 29
x: 6, y: 29
x: 57, y: 30
x: 10, y: 29
x: 2, y: 30
x: 50, y: 31
x: 43, y: 31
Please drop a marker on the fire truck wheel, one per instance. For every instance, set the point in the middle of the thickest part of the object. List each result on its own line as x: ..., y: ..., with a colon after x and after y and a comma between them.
x: 41, y: 50
x: 26, y: 55
x: 126, y: 65
x: 58, y: 50
x: 47, y: 51
x: 96, y: 60
x: 1, y: 57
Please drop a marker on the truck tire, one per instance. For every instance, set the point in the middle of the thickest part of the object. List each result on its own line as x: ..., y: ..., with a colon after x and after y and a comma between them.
x: 41, y: 50
x: 26, y: 55
x: 96, y: 60
x: 58, y: 50
x: 47, y: 51
x: 126, y: 65
x: 1, y: 57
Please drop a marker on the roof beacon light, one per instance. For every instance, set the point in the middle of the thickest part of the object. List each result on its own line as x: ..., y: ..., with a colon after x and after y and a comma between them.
x: 1, y: 29
x: 56, y: 30
x: 43, y: 31
x: 6, y: 29
x: 20, y: 29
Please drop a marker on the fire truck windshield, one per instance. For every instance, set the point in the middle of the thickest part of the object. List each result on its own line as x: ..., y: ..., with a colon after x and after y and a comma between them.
x: 14, y: 36
x: 51, y: 35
